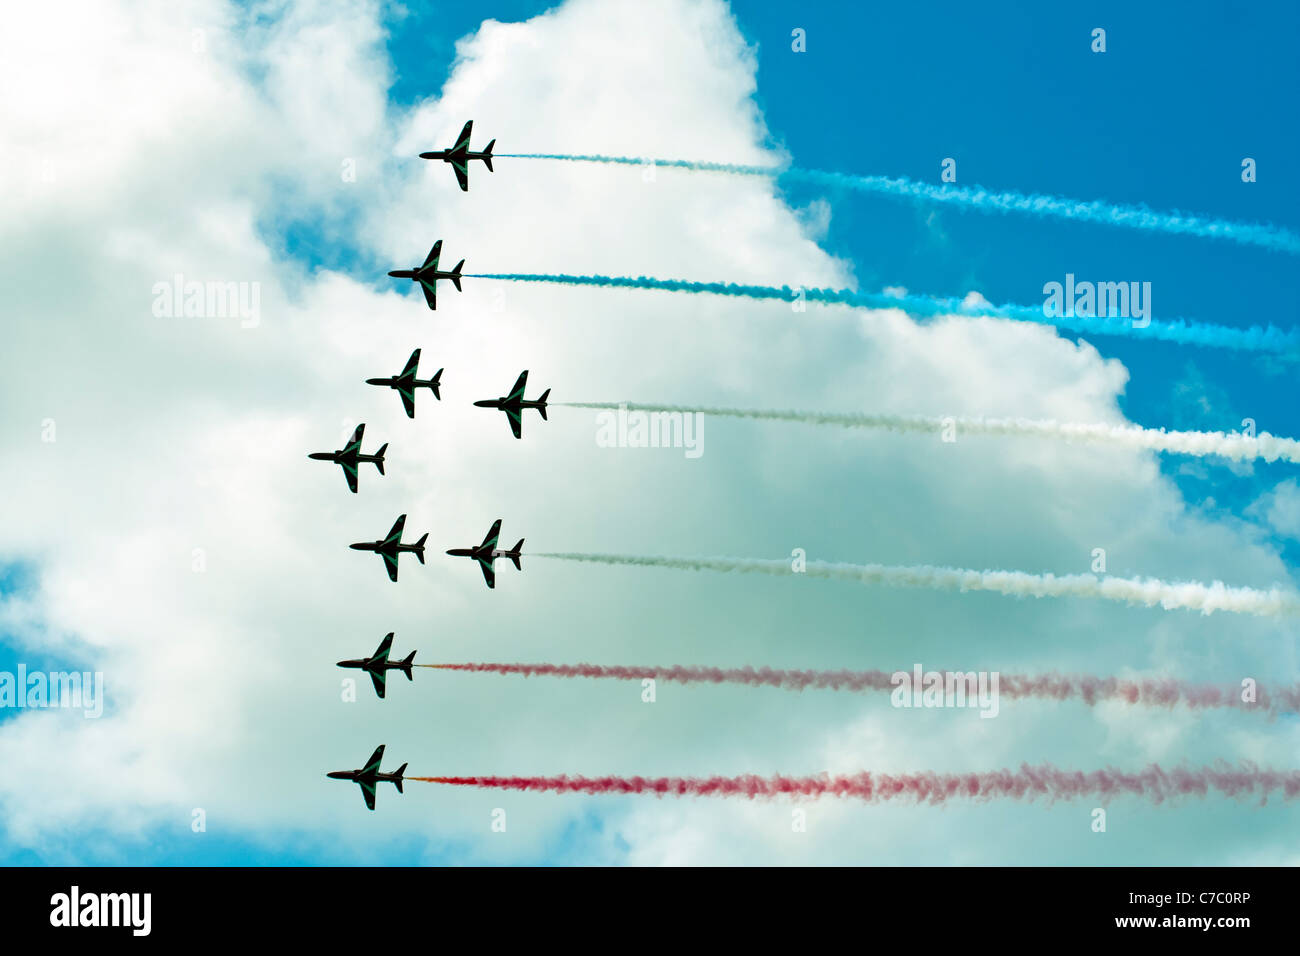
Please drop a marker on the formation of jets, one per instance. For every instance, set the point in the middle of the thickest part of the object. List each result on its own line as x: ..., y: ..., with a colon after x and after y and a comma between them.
x: 351, y: 457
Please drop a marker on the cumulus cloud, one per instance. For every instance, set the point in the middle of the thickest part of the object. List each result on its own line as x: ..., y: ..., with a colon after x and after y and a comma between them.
x: 1279, y: 509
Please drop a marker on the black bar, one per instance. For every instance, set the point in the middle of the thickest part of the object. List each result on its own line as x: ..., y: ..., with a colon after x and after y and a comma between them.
x: 872, y: 905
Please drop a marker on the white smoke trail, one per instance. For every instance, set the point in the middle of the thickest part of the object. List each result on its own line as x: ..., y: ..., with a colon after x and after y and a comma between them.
x: 1144, y: 592
x: 1234, y: 446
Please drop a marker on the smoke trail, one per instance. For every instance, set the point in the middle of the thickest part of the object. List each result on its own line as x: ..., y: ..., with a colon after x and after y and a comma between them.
x: 1181, y: 331
x: 1138, y: 217
x: 1146, y: 592
x: 1157, y: 692
x: 1238, y: 447
x: 1029, y: 782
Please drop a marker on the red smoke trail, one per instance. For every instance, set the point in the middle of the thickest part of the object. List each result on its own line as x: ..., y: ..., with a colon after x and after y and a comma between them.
x: 1044, y: 781
x: 1158, y: 691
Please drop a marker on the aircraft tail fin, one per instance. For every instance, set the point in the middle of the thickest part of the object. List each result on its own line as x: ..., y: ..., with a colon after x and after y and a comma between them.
x: 405, y: 665
x: 434, y: 383
x: 487, y: 155
x: 419, y: 547
x: 515, y: 554
x: 542, y: 403
x: 455, y: 275
x: 397, y: 777
x: 379, y: 455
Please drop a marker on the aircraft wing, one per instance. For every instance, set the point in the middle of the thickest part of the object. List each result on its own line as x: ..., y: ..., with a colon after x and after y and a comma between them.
x: 518, y: 390
x: 434, y: 253
x: 368, y: 791
x: 408, y: 401
x: 412, y: 364
x: 462, y: 141
x: 489, y: 575
x: 355, y: 441
x: 375, y: 759
x: 386, y: 645
x: 379, y: 678
x: 350, y: 473
x: 515, y: 416
x: 493, y: 534
x: 430, y: 294
x: 395, y: 535
x: 462, y: 174
x: 390, y: 565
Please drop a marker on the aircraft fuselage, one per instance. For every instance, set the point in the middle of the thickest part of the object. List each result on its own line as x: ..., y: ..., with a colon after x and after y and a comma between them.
x: 339, y: 457
x: 456, y: 156
x: 373, y: 664
x: 380, y: 547
x: 360, y: 776
x: 483, y: 554
x: 396, y: 381
x: 415, y: 275
x: 503, y: 403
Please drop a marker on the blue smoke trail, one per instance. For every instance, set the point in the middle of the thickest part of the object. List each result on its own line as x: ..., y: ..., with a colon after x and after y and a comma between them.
x: 976, y: 197
x: 1182, y: 331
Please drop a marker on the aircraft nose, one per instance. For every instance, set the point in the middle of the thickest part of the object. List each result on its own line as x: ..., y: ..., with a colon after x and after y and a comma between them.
x: 359, y: 546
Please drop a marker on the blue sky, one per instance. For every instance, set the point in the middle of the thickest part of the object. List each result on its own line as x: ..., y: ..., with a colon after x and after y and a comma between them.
x: 1016, y: 96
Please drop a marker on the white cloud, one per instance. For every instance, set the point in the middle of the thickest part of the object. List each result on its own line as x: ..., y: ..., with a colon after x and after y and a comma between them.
x: 1280, y: 509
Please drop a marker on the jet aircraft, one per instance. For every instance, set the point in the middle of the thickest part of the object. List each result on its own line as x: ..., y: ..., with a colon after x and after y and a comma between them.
x: 349, y: 457
x: 406, y: 383
x: 429, y: 274
x: 378, y: 665
x: 459, y: 156
x: 391, y: 547
x: 486, y: 553
x: 369, y: 777
x: 515, y: 403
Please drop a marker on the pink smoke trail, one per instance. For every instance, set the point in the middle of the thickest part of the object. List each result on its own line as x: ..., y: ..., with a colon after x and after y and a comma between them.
x: 1028, y: 783
x: 1163, y: 692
